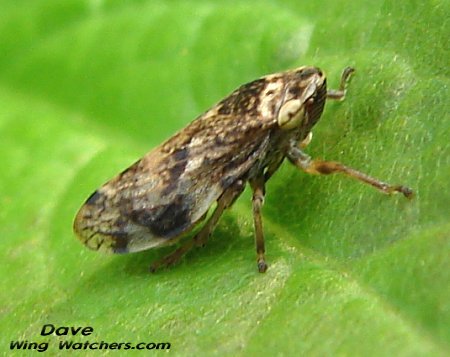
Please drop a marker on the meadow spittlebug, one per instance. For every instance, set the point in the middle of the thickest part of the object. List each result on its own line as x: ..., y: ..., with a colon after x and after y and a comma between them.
x: 243, y: 139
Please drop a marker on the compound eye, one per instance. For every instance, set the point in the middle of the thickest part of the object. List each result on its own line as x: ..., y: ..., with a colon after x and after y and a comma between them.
x: 291, y: 114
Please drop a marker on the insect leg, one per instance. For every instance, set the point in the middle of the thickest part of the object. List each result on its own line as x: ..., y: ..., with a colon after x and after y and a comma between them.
x: 258, y: 200
x: 226, y: 200
x: 173, y: 257
x: 339, y: 94
x: 272, y: 169
x: 304, y: 162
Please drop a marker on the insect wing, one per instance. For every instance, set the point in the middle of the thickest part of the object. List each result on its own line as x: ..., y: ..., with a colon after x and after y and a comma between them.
x: 170, y: 190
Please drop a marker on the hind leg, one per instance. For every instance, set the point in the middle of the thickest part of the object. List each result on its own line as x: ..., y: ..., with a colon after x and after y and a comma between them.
x: 200, y: 239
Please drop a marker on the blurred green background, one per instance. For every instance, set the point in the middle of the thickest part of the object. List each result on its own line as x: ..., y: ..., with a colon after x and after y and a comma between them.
x: 87, y: 87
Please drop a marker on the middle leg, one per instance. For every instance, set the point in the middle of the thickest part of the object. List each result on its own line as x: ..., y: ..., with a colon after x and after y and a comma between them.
x: 258, y: 187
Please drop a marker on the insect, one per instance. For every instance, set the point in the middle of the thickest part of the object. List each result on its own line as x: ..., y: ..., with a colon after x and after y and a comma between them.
x: 243, y: 139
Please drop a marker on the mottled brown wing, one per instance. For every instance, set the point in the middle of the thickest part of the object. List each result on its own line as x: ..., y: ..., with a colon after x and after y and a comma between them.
x: 171, y: 188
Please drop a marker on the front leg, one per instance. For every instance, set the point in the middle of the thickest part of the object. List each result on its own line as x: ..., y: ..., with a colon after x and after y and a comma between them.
x: 339, y: 94
x: 304, y: 162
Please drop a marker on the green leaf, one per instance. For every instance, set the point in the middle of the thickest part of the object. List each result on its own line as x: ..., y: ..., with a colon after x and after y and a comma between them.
x: 86, y: 88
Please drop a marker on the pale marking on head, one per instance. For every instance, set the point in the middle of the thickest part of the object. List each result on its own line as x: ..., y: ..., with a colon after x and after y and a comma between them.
x: 309, y: 91
x: 270, y: 92
x: 305, y: 142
